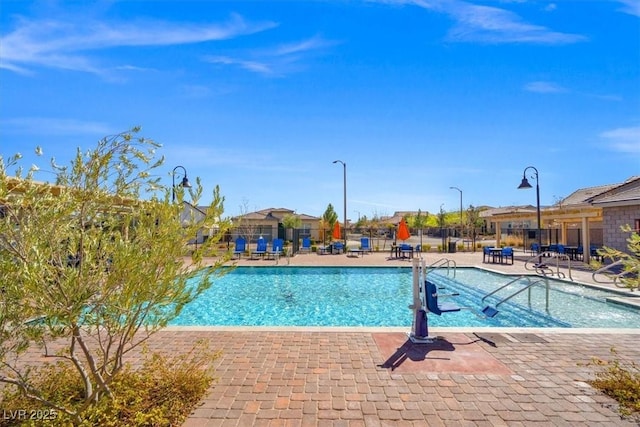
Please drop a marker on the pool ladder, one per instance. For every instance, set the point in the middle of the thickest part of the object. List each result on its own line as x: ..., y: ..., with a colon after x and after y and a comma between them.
x: 612, y: 275
x: 546, y: 270
x: 442, y: 263
x: 491, y: 311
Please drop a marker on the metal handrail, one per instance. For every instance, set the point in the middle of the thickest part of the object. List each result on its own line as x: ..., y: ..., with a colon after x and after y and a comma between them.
x: 549, y: 270
x: 442, y: 262
x: 613, y: 277
x: 528, y: 286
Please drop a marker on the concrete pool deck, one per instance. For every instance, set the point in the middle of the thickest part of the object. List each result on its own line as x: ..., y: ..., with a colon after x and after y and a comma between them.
x: 376, y: 377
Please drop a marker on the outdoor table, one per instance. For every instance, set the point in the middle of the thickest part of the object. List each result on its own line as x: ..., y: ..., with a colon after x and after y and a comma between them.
x: 495, y: 253
x: 571, y: 251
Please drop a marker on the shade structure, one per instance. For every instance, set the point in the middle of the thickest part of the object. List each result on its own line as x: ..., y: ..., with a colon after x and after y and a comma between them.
x: 403, y: 230
x: 336, y: 231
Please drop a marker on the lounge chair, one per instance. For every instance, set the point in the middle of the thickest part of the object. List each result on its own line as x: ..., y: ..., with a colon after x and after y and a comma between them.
x: 276, y: 249
x: 337, y: 248
x: 241, y: 246
x: 364, y: 245
x: 306, y: 245
x: 261, y: 248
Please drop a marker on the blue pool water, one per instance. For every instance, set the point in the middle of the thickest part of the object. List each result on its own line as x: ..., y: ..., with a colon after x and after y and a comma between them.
x: 379, y: 296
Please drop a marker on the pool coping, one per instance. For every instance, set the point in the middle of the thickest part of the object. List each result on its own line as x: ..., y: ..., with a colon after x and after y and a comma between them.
x: 370, y: 329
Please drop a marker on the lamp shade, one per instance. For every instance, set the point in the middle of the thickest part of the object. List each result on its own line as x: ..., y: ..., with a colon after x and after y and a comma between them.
x: 524, y: 183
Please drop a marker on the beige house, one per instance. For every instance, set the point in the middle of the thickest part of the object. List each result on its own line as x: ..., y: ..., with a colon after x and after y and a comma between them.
x: 267, y: 223
x: 588, y: 216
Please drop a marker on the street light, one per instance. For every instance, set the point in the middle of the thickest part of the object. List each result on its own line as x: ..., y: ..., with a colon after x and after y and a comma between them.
x: 344, y: 169
x: 524, y: 185
x: 456, y: 188
x: 185, y: 182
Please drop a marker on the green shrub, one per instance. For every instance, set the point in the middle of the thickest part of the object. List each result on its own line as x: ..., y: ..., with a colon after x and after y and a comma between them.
x: 163, y: 392
x: 621, y: 381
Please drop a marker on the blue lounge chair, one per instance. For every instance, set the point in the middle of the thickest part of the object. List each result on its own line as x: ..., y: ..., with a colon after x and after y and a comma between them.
x: 306, y: 245
x: 337, y: 248
x: 277, y: 246
x: 364, y: 245
x: 241, y: 246
x: 261, y: 248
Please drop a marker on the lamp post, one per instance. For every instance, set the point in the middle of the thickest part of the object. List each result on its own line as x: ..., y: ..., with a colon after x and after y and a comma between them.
x: 461, y: 227
x: 185, y: 182
x: 344, y: 169
x: 525, y: 184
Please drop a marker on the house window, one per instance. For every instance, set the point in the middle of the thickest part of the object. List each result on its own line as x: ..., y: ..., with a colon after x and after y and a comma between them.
x: 637, y: 226
x: 305, y: 230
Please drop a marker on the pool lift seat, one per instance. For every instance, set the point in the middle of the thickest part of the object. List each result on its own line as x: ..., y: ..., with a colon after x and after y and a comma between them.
x: 425, y: 300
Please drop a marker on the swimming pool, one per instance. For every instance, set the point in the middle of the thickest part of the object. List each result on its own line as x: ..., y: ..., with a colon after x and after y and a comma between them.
x: 379, y: 296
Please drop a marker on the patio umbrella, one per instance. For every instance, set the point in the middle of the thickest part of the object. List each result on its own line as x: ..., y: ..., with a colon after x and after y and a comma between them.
x: 336, y: 231
x: 403, y: 230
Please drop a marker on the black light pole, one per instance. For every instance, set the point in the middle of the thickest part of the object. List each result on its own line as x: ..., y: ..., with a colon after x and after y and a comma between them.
x: 525, y: 184
x: 185, y: 182
x: 456, y: 188
x: 344, y: 169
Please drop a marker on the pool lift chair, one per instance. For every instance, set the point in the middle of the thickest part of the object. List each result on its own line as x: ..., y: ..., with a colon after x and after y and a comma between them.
x: 425, y: 300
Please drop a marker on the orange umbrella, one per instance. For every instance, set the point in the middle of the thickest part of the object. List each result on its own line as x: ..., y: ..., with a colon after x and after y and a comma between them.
x: 336, y: 231
x: 403, y: 230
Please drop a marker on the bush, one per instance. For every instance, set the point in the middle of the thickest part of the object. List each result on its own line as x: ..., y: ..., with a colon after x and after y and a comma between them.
x: 621, y: 381
x: 163, y: 392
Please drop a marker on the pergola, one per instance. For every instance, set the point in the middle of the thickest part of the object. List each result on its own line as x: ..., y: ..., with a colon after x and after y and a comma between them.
x: 556, y: 217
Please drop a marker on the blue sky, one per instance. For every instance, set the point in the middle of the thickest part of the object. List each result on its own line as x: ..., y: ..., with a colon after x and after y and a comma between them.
x: 261, y: 97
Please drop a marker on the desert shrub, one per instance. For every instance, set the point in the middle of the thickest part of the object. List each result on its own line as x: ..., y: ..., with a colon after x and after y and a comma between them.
x: 162, y: 392
x: 513, y: 241
x: 621, y: 381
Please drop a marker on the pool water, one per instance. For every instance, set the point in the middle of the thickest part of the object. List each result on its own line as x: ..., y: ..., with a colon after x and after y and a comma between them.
x: 379, y: 296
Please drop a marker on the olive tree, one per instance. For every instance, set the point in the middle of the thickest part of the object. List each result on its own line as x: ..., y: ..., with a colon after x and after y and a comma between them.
x: 95, y: 263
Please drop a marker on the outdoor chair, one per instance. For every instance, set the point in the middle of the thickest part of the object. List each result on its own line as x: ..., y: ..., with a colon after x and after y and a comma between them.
x: 364, y: 245
x: 276, y: 250
x: 306, y: 245
x: 337, y: 248
x: 261, y: 248
x: 486, y: 253
x: 507, y: 253
x: 240, y: 247
x: 535, y: 249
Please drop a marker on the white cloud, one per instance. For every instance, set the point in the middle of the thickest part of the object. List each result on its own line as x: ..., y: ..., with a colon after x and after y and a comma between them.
x: 488, y: 24
x: 632, y: 7
x: 544, y: 87
x: 68, y: 44
x: 254, y: 66
x: 277, y: 60
x: 624, y: 139
x: 494, y: 25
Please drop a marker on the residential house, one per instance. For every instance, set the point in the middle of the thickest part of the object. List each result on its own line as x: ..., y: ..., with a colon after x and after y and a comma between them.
x: 267, y: 223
